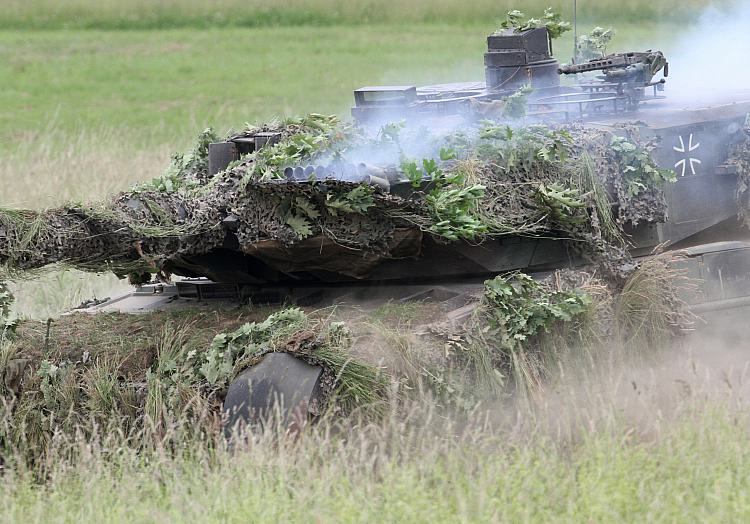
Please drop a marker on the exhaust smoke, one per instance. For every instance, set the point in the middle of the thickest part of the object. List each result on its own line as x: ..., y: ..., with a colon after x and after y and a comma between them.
x: 712, y: 58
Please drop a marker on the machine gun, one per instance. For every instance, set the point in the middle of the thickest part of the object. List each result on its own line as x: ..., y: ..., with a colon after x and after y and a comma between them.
x: 624, y: 81
x: 634, y: 68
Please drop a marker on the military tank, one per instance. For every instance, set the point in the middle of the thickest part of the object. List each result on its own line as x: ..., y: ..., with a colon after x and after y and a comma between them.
x: 699, y: 216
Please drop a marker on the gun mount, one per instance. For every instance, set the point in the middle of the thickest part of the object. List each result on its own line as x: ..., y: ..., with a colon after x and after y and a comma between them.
x: 626, y: 74
x: 636, y: 67
x: 514, y: 60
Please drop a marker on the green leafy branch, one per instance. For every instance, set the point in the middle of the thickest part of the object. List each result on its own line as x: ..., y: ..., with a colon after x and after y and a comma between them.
x: 305, y: 138
x: 553, y: 21
x: 357, y: 385
x: 299, y: 217
x: 453, y: 209
x: 358, y: 200
x: 250, y: 340
x: 560, y: 204
x: 639, y: 171
x: 526, y: 149
x: 518, y: 308
x: 450, y: 202
x: 185, y: 171
x: 594, y: 44
x: 515, y: 104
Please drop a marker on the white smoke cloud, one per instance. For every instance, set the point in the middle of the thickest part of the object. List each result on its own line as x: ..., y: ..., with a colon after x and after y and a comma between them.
x: 714, y: 55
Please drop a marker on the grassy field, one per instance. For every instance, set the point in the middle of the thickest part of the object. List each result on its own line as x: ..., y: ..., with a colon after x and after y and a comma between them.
x: 696, y: 472
x: 167, y: 85
x: 92, y: 111
x: 144, y: 14
x: 96, y: 95
x: 667, y: 442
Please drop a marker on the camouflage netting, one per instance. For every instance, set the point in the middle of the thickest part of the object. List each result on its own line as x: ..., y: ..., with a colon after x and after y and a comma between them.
x: 169, y: 371
x: 161, y: 377
x: 6, y: 300
x: 149, y: 375
x: 739, y: 157
x: 568, y: 182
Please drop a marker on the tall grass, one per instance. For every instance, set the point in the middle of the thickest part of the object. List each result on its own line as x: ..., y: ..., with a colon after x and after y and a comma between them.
x: 55, y: 291
x: 146, y: 14
x: 657, y: 444
x: 52, y: 166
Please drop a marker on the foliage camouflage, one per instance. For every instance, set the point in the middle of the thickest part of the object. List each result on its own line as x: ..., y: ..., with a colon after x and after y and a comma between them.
x: 522, y: 329
x: 594, y: 44
x: 162, y: 371
x: 488, y: 180
x: 170, y: 371
x: 518, y: 308
x: 517, y: 21
x: 7, y: 324
x: 740, y: 158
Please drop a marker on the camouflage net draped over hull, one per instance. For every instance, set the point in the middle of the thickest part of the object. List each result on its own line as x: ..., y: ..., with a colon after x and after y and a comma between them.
x: 160, y: 378
x: 739, y: 157
x: 159, y: 374
x: 490, y: 180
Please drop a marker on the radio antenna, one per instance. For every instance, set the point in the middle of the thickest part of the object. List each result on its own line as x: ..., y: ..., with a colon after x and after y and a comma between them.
x: 575, y: 31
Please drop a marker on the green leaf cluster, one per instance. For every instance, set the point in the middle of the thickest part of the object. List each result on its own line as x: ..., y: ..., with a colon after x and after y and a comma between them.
x: 357, y: 385
x: 452, y: 209
x: 305, y: 138
x: 553, y: 21
x: 185, y: 170
x: 638, y: 169
x: 450, y: 201
x: 358, y: 200
x: 412, y: 172
x: 299, y: 217
x: 516, y: 104
x: 560, y: 203
x: 537, y: 153
x: 250, y: 340
x: 594, y: 44
x: 519, y: 308
x: 529, y: 149
x: 390, y: 133
x: 430, y: 169
x: 300, y: 225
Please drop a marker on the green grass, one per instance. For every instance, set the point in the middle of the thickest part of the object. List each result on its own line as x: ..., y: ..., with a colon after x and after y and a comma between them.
x: 145, y: 14
x: 87, y: 108
x: 166, y: 84
x: 693, y: 475
x: 590, y: 452
x: 160, y: 87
